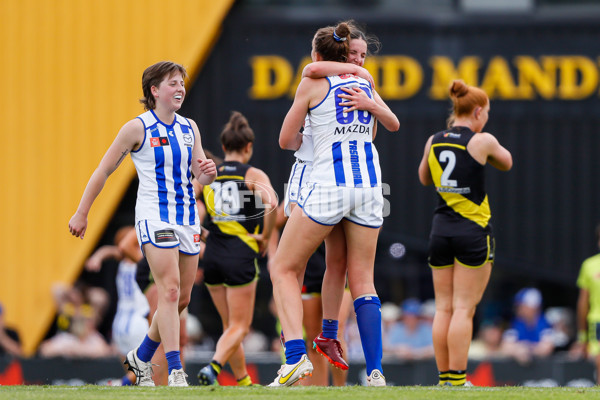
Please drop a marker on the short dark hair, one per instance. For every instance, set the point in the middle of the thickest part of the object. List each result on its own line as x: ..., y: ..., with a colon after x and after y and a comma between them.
x: 153, y: 76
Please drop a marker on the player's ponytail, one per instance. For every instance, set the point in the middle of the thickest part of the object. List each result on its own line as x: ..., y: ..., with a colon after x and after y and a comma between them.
x: 332, y: 42
x: 237, y: 133
x: 465, y: 99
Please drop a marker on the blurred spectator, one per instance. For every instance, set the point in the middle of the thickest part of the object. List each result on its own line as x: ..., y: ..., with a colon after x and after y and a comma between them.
x: 488, y: 343
x: 411, y: 337
x: 390, y: 314
x: 81, y: 340
x: 255, y: 341
x: 428, y: 310
x: 198, y: 340
x: 530, y: 335
x: 352, y: 337
x: 9, y: 339
x: 561, y: 319
x: 70, y: 299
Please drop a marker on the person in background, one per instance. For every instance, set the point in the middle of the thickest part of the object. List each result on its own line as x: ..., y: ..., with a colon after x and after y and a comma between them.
x: 130, y: 323
x: 81, y: 340
x: 10, y: 343
x: 488, y: 343
x: 562, y: 320
x: 166, y: 150
x: 239, y: 201
x: 588, y: 310
x: 410, y: 338
x: 530, y: 334
x: 390, y: 315
x: 461, y: 243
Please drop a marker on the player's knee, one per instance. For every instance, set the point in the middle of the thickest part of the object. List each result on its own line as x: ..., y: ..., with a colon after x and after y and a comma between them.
x: 239, y: 330
x: 465, y: 311
x: 171, y: 294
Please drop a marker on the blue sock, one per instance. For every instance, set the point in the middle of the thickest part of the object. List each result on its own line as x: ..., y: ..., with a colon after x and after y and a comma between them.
x: 330, y: 328
x: 294, y: 349
x: 368, y: 318
x: 174, y: 360
x: 147, y: 349
x: 125, y: 381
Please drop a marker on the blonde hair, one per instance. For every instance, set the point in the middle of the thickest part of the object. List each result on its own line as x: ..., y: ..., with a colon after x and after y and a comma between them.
x: 465, y: 99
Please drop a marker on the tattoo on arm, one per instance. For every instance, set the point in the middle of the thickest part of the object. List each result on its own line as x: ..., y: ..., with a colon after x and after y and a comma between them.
x: 123, y: 155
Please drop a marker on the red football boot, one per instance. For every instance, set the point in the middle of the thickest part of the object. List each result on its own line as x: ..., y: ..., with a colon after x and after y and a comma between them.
x: 331, y: 349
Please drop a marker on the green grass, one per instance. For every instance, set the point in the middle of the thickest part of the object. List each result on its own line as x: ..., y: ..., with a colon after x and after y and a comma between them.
x: 350, y: 392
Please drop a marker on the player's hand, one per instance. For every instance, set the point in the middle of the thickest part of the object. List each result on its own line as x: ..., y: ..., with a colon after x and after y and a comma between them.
x: 356, y: 99
x: 78, y: 225
x: 263, y: 243
x: 208, y: 167
x: 365, y: 74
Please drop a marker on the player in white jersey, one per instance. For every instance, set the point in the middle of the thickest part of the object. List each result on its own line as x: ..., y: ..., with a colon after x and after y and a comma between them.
x: 342, y: 141
x: 330, y: 304
x: 166, y: 150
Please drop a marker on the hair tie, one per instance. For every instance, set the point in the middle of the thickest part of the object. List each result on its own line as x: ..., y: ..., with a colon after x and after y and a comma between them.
x: 337, y: 38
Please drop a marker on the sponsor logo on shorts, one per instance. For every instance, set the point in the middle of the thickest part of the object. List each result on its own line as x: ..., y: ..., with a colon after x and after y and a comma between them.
x: 165, y: 235
x: 196, y: 238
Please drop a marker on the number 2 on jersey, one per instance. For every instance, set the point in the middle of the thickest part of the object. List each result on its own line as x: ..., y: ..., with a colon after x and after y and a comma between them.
x: 449, y: 157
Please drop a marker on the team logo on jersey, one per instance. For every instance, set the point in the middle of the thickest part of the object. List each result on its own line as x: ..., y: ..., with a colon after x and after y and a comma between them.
x: 159, y: 141
x: 165, y: 235
x: 187, y: 140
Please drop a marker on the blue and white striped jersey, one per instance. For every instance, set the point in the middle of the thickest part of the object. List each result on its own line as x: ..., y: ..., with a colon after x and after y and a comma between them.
x: 163, y: 163
x: 344, y: 153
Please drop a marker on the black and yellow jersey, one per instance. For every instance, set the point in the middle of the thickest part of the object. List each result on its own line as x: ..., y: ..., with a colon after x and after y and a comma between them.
x: 460, y: 184
x: 232, y: 207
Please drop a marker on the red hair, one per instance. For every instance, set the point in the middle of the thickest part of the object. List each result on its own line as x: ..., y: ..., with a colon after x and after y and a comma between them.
x: 465, y: 99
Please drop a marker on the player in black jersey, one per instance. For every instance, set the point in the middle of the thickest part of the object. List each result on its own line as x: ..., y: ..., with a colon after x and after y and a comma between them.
x: 239, y: 202
x: 461, y: 247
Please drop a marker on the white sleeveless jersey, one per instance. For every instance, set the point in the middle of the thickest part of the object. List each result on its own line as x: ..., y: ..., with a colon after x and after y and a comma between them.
x: 163, y: 162
x: 131, y: 299
x: 305, y: 152
x: 344, y: 154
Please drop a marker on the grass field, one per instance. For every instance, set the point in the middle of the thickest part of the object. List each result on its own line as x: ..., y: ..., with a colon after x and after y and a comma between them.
x: 259, y: 392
